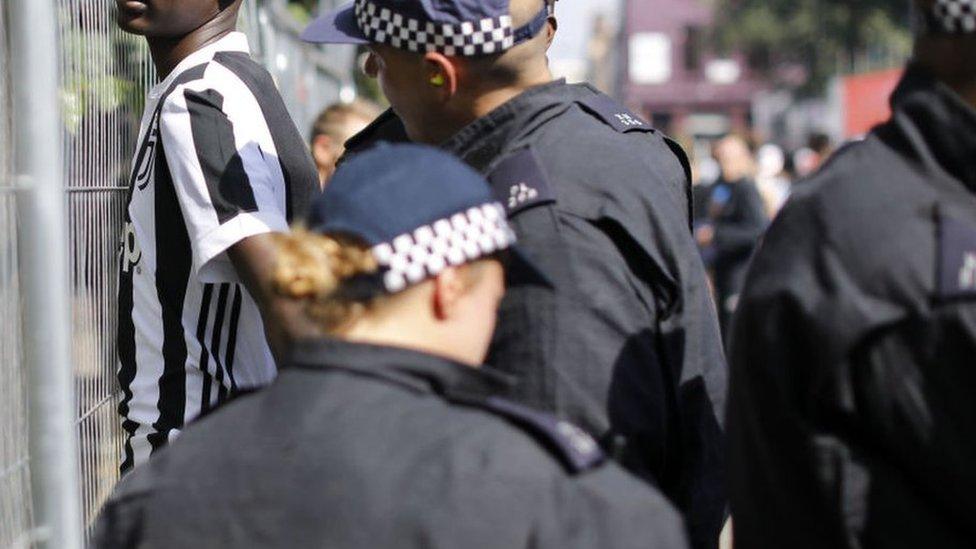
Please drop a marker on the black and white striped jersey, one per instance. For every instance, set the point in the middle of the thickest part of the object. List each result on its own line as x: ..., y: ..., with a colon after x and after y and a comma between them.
x: 218, y: 160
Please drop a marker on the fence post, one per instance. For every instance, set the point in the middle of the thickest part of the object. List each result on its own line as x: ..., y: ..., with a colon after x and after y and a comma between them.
x: 37, y: 164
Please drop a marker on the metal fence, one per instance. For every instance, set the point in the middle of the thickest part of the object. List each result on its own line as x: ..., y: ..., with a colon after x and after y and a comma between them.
x: 104, y: 74
x: 15, y: 509
x: 104, y: 77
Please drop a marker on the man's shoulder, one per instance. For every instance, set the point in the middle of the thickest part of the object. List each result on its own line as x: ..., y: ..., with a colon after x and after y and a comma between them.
x: 518, y: 433
x: 601, y: 124
x: 499, y: 436
x: 865, y: 188
x: 228, y: 74
x: 593, y: 164
x: 598, y: 137
x: 851, y: 224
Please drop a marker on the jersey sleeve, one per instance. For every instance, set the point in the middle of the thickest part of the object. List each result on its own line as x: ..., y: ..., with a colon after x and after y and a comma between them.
x: 228, y: 185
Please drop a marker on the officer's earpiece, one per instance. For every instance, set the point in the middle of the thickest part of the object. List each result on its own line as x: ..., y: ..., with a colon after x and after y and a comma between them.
x: 437, y: 80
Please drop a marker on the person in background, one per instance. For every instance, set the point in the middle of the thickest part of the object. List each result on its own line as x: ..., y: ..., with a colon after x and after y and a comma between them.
x: 822, y: 145
x: 807, y: 160
x: 705, y: 173
x: 851, y: 415
x: 218, y: 168
x: 334, y: 125
x: 772, y: 181
x: 384, y: 431
x: 626, y: 343
x: 734, y: 222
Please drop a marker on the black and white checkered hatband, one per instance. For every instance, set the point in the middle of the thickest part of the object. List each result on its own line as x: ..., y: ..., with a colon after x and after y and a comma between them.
x: 953, y: 16
x: 464, y: 237
x: 384, y: 26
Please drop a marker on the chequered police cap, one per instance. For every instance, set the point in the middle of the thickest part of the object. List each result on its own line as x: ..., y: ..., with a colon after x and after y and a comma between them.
x: 469, y: 38
x: 464, y: 237
x: 955, y: 16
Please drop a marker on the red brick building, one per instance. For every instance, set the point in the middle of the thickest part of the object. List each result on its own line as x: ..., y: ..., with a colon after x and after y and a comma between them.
x: 670, y: 76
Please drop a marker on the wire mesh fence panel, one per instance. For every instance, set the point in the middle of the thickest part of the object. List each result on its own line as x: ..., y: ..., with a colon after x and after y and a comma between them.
x: 105, y: 74
x: 15, y: 502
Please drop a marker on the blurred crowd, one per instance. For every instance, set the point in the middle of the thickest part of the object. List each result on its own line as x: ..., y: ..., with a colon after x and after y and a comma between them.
x: 737, y: 192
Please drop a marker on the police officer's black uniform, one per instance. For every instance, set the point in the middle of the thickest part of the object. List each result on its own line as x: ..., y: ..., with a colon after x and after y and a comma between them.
x: 376, y: 447
x: 852, y: 417
x: 627, y: 345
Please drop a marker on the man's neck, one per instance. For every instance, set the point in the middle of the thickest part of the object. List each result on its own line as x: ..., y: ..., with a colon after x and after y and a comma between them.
x: 482, y: 104
x: 167, y: 53
x: 485, y: 103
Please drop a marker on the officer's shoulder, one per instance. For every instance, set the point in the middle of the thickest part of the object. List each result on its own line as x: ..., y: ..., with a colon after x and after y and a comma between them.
x: 863, y: 198
x: 614, y: 115
x: 627, y: 135
x: 862, y: 185
x: 523, y: 434
x: 610, y: 112
x: 520, y: 181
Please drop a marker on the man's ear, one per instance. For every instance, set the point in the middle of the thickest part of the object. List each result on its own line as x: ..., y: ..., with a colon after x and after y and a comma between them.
x: 441, y: 74
x: 551, y: 28
x: 448, y: 289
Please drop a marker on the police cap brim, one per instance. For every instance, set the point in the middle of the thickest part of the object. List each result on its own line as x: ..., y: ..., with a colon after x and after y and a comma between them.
x: 335, y: 27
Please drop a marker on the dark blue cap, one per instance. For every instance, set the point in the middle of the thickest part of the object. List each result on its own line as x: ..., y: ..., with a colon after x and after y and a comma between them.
x: 420, y: 210
x: 452, y: 27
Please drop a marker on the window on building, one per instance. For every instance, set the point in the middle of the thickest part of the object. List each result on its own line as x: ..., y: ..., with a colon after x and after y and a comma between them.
x: 650, y: 58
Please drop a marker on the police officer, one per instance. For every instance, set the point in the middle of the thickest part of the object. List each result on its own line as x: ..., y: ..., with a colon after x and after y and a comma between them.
x: 851, y: 417
x: 626, y: 344
x: 384, y: 432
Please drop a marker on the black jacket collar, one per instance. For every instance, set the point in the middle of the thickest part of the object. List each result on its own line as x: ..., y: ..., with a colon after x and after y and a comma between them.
x: 939, y: 125
x: 416, y: 370
x: 486, y: 138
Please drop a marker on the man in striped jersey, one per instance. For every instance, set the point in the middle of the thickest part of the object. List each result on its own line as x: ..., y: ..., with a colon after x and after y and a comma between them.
x: 219, y: 166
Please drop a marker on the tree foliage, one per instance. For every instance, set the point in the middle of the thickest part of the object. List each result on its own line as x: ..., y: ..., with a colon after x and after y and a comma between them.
x: 802, y: 43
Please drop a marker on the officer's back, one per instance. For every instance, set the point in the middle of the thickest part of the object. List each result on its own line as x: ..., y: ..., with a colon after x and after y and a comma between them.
x: 626, y: 343
x: 386, y: 433
x: 851, y: 413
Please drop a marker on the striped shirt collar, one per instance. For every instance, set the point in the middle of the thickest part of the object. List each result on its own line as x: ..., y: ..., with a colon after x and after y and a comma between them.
x: 234, y: 41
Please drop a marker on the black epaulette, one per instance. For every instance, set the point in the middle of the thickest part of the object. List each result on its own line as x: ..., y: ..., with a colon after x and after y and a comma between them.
x: 575, y: 449
x: 624, y: 120
x: 957, y: 258
x: 519, y: 182
x: 387, y: 128
x: 614, y: 114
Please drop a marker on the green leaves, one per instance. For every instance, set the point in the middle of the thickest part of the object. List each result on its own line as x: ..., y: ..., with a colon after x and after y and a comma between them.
x: 803, y: 43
